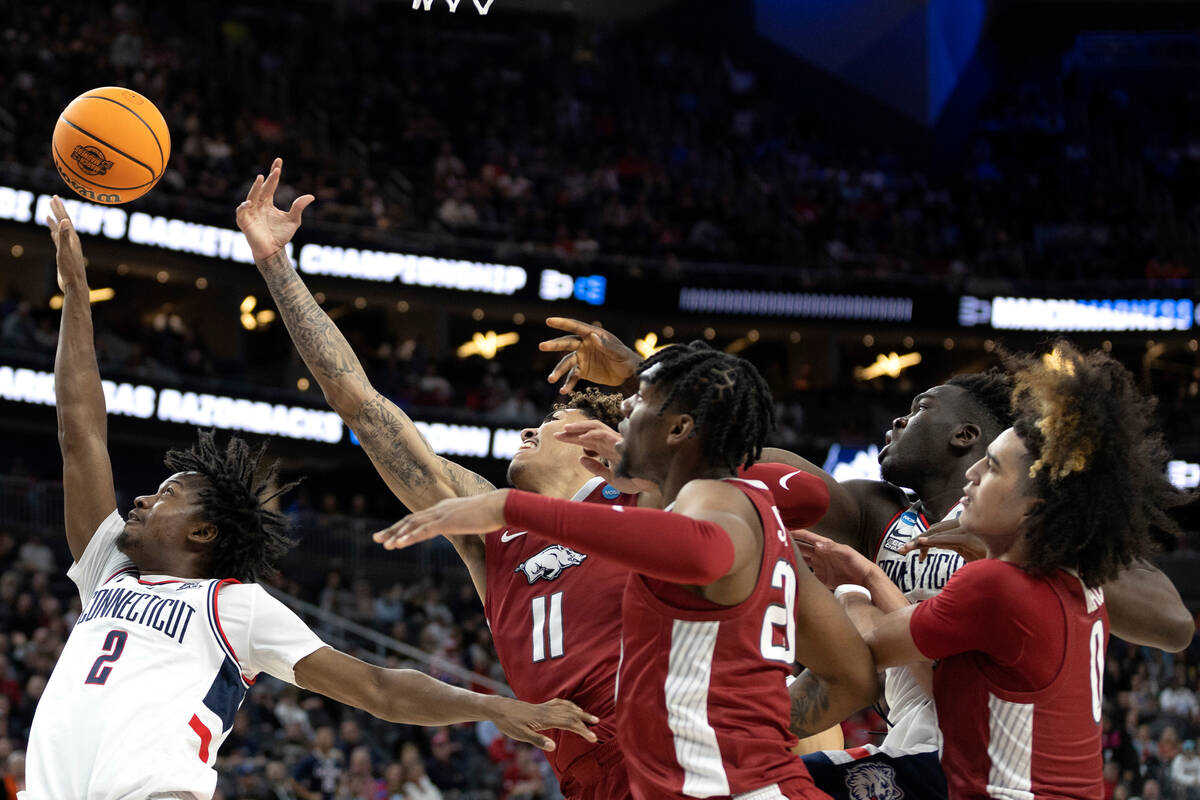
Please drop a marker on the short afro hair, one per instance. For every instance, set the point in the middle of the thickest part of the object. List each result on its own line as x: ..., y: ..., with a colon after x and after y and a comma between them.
x: 595, y: 404
x: 250, y: 537
x: 991, y: 391
x: 1098, y: 463
x: 724, y: 394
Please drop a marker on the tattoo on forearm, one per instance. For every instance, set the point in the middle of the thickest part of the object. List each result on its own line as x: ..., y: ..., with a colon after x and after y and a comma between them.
x: 321, y: 344
x: 384, y: 435
x: 810, y: 702
x: 465, y: 482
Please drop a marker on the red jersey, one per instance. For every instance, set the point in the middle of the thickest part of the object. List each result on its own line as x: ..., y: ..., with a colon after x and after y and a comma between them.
x: 1019, y: 684
x: 555, y: 616
x: 703, y: 707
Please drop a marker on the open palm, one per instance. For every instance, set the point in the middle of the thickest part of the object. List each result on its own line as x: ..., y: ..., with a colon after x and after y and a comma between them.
x: 268, y: 229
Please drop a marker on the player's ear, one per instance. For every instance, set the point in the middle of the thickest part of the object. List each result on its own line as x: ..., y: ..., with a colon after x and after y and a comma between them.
x: 203, y: 533
x: 965, y: 436
x: 683, y: 427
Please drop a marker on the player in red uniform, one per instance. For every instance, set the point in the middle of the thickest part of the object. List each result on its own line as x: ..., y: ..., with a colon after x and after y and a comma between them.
x: 1062, y: 501
x: 554, y: 612
x: 716, y: 609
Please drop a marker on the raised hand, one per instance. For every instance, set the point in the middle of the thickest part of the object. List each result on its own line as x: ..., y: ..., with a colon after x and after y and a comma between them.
x: 69, y: 252
x: 592, y: 354
x: 833, y: 564
x: 948, y: 535
x: 481, y: 513
x: 268, y: 229
x: 522, y: 721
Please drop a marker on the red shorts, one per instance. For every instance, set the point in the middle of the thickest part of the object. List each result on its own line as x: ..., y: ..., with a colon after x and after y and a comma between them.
x: 597, y: 775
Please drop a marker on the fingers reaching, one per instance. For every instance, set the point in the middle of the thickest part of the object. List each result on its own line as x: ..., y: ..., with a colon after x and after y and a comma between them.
x: 560, y: 343
x: 298, y: 205
x: 570, y: 325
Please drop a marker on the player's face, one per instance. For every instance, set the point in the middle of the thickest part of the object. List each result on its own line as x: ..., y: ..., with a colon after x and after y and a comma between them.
x: 161, y: 521
x: 998, y: 495
x: 643, y: 431
x: 541, y: 451
x: 921, y: 437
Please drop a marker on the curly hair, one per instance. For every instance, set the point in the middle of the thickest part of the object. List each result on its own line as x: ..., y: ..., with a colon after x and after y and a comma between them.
x: 725, y: 395
x: 1098, y: 463
x: 250, y: 538
x: 595, y: 404
x: 991, y: 391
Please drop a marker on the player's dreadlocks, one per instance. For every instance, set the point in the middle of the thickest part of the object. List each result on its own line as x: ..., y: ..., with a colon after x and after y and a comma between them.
x: 595, y: 404
x: 1098, y: 463
x: 991, y: 391
x: 250, y: 538
x: 725, y: 395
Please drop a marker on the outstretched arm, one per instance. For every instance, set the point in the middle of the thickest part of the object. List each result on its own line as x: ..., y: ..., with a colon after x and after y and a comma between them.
x: 414, y: 698
x: 88, y: 494
x: 404, y: 459
x: 1144, y: 607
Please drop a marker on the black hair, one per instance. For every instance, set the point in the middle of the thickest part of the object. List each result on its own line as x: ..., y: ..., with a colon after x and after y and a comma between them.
x: 1098, y: 463
x: 250, y: 537
x: 991, y: 391
x: 724, y: 394
x: 595, y: 404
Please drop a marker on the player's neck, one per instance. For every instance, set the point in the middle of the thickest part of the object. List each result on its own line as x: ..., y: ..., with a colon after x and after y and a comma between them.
x: 563, y: 484
x: 184, y: 569
x: 680, y: 474
x: 941, y: 492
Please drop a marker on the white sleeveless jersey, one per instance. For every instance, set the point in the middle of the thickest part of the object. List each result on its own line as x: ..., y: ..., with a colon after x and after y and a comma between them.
x: 148, y: 683
x: 911, y: 712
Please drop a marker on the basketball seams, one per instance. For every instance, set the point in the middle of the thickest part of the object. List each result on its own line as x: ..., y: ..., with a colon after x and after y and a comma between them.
x: 157, y: 143
x: 115, y: 149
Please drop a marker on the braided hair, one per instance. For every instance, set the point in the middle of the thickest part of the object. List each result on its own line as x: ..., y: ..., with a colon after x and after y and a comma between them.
x: 1098, y: 463
x: 250, y: 537
x: 724, y: 394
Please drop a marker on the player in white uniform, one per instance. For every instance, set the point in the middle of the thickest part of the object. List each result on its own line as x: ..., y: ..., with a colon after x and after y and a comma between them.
x: 169, y: 641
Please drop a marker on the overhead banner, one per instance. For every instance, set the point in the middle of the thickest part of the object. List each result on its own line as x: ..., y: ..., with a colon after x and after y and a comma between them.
x: 1049, y: 314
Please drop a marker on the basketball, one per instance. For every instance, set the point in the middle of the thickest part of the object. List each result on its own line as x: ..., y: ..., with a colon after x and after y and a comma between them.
x: 111, y: 145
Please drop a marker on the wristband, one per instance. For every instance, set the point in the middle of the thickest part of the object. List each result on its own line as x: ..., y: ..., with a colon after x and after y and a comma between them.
x: 851, y: 588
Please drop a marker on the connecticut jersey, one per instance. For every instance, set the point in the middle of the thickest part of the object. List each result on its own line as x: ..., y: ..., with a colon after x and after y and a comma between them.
x: 702, y: 703
x: 149, y: 681
x: 555, y: 616
x: 911, y: 713
x: 1019, y: 683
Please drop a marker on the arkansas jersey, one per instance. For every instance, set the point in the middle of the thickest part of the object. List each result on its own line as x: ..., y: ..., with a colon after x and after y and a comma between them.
x: 702, y: 707
x: 1019, y: 684
x: 555, y: 616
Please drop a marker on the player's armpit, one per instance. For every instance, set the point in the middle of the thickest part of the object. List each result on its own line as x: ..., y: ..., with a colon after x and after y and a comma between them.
x: 1145, y: 608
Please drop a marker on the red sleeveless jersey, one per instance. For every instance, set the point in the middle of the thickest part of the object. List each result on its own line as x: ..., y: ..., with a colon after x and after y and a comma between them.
x: 555, y: 617
x: 1019, y: 686
x: 703, y: 707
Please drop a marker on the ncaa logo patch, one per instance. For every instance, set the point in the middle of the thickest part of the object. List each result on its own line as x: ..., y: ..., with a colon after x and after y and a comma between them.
x: 872, y: 782
x: 904, y: 529
x: 610, y: 492
x: 91, y: 159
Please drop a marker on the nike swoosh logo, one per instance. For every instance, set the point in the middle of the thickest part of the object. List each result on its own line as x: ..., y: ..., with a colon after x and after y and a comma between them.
x: 783, y: 481
x: 508, y: 537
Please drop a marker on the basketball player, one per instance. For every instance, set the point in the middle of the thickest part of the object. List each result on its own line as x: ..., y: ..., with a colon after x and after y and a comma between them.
x: 554, y: 613
x: 1062, y: 501
x: 929, y: 449
x: 716, y: 610
x: 174, y: 628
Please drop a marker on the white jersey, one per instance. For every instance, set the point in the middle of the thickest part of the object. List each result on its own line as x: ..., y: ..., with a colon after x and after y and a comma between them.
x: 911, y: 712
x: 150, y: 678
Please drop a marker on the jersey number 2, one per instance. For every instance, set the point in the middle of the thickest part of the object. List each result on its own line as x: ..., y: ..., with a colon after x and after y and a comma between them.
x: 114, y: 644
x: 780, y: 616
x: 547, y: 627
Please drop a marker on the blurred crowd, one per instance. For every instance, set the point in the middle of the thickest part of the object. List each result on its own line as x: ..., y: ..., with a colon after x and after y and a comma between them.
x: 541, y: 134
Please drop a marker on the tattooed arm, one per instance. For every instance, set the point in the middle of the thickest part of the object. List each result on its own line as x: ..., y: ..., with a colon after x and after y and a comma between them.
x: 840, y: 676
x: 415, y: 474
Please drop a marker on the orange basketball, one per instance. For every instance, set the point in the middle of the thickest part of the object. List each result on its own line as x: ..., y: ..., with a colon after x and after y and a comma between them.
x: 111, y: 145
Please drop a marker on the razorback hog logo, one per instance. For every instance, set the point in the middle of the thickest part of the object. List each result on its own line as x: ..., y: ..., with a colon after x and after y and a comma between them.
x: 91, y: 159
x: 872, y: 782
x: 549, y: 563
